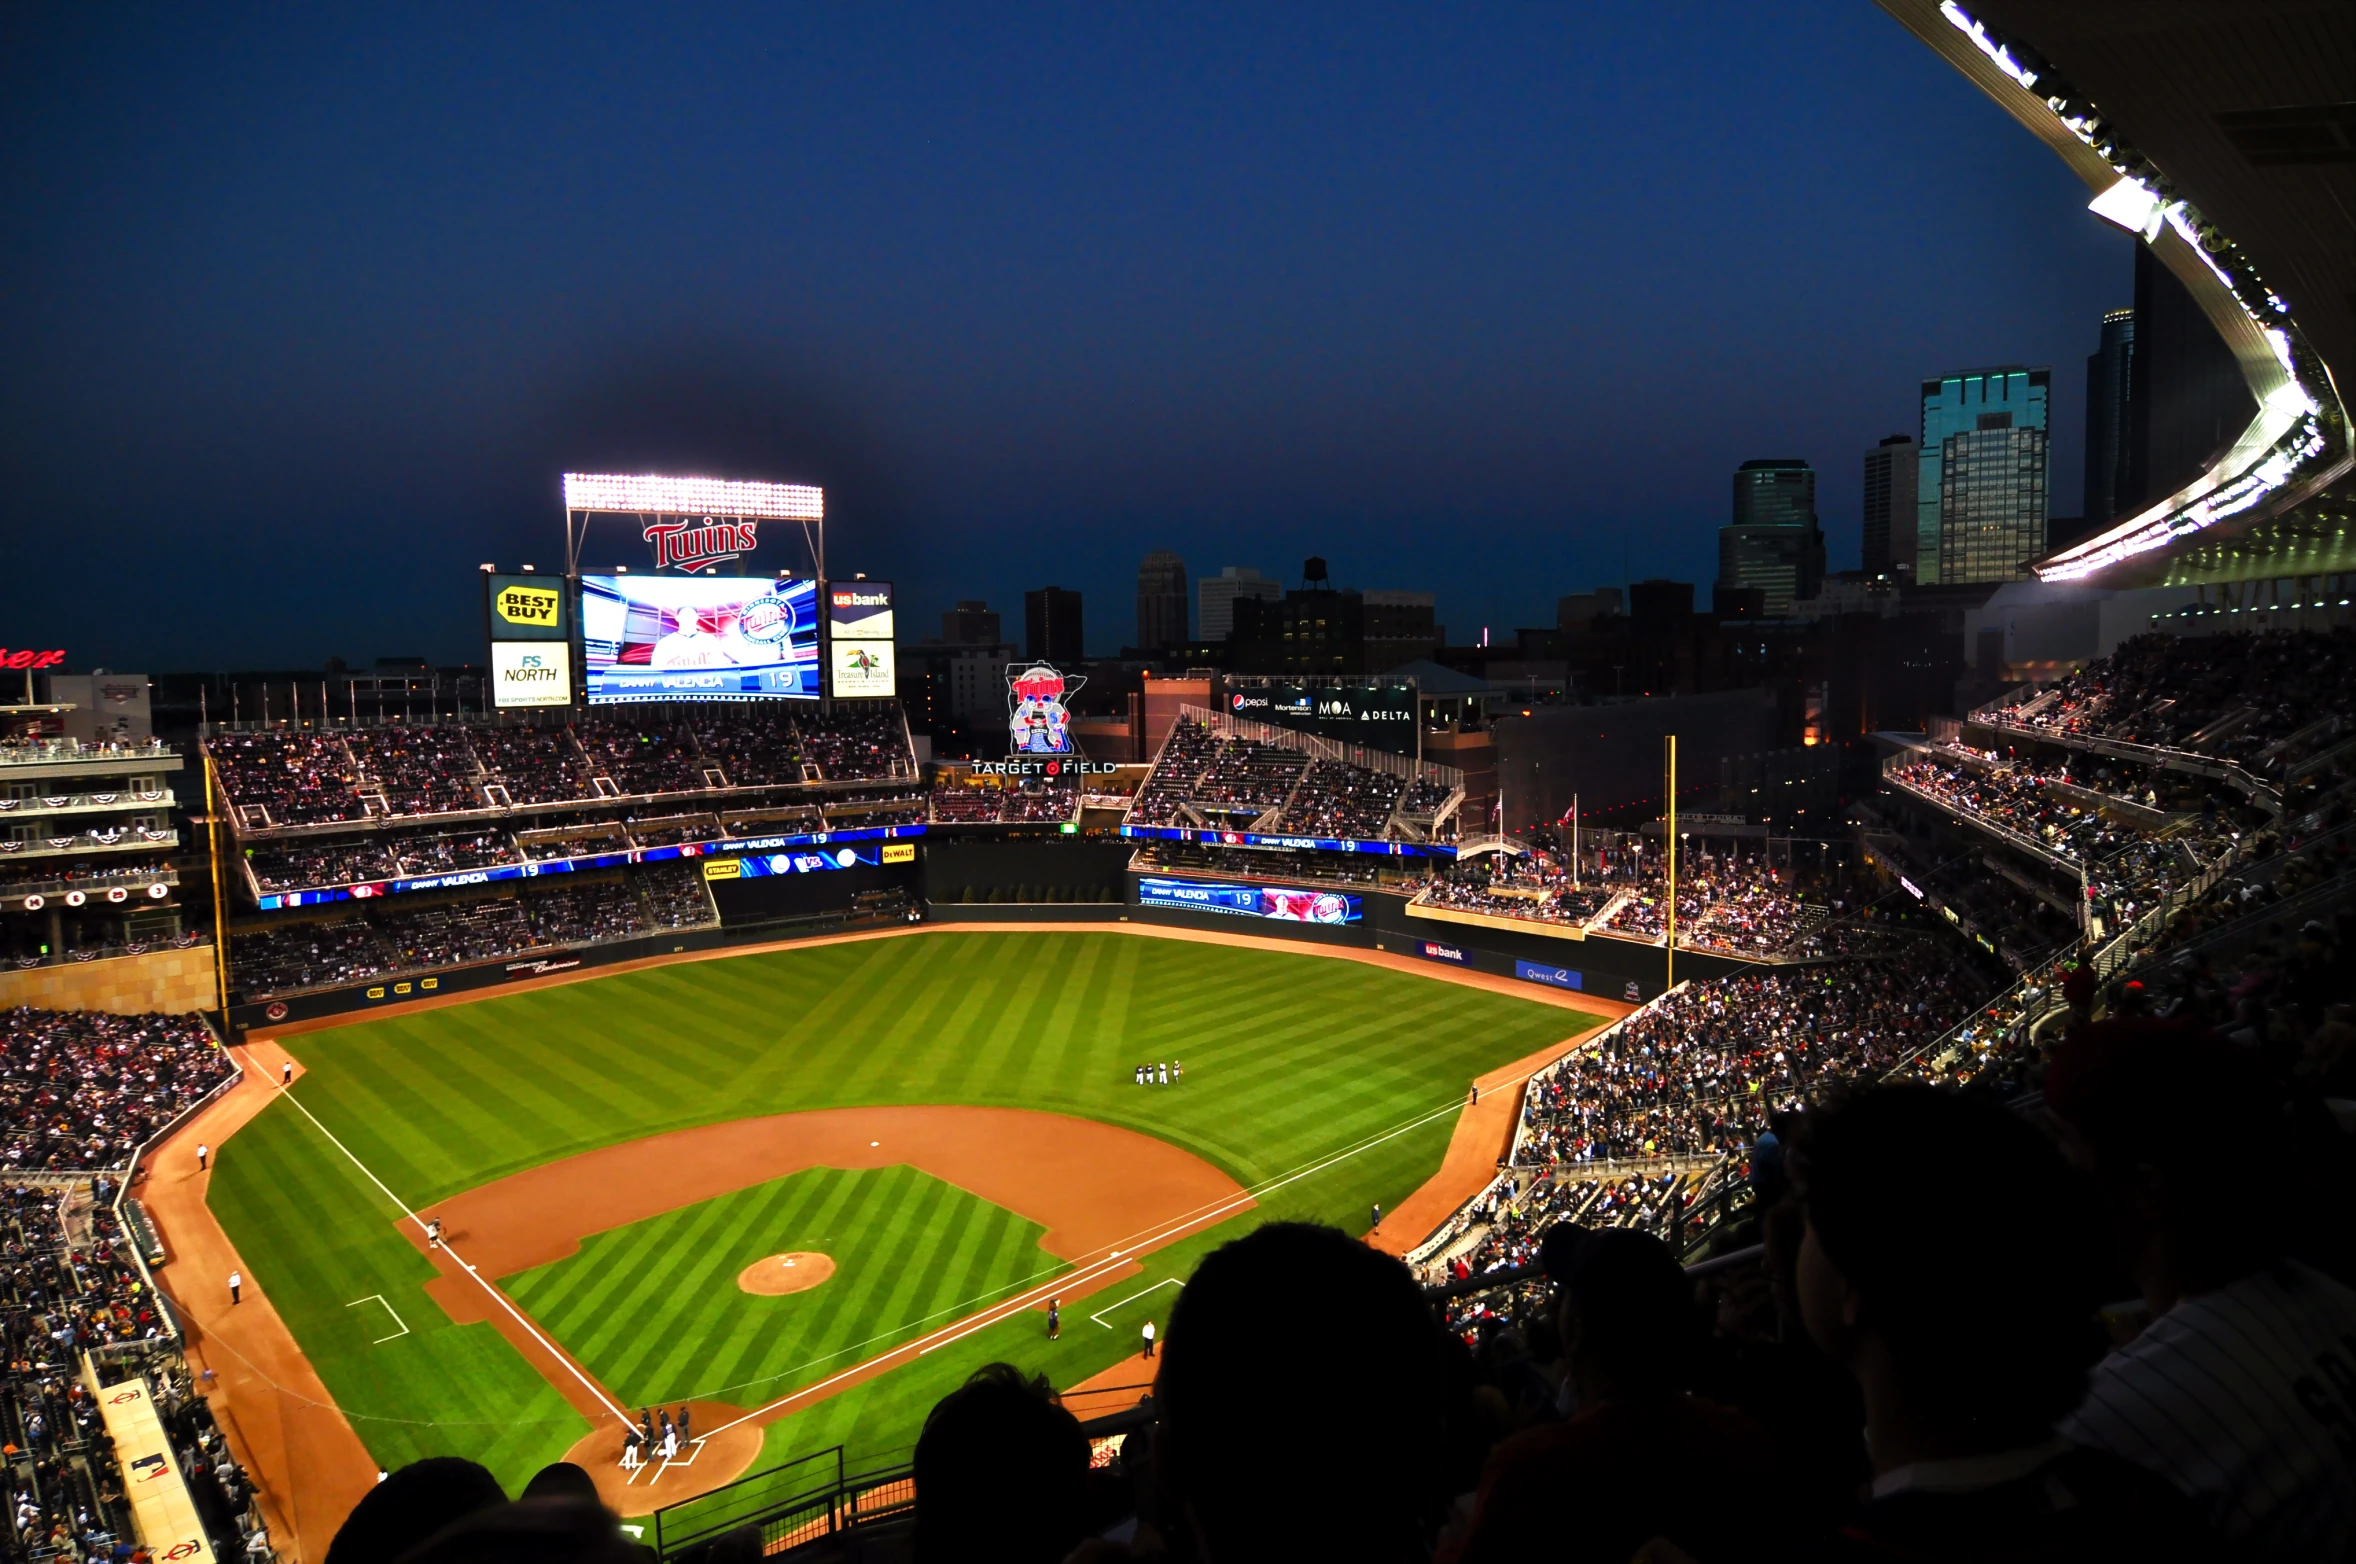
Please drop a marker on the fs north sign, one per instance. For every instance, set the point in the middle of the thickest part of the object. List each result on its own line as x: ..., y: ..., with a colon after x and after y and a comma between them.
x: 27, y: 658
x: 530, y: 673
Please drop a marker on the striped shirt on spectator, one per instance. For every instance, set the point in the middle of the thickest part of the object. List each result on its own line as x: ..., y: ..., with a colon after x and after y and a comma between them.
x: 2244, y: 1398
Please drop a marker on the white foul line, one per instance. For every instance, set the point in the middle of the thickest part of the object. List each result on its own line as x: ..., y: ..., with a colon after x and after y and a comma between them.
x: 1167, y: 1281
x: 529, y: 1328
x: 1200, y: 1216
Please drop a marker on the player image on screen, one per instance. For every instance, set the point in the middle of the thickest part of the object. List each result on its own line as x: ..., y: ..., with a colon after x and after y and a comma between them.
x: 698, y: 638
x: 688, y: 647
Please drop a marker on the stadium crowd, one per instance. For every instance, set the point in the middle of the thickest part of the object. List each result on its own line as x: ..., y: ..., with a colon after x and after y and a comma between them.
x: 68, y: 1288
x: 1202, y: 778
x: 380, y: 938
x: 1907, y: 1352
x: 80, y: 1090
x: 1731, y: 902
x: 309, y: 778
x: 2262, y: 700
x: 1700, y: 1071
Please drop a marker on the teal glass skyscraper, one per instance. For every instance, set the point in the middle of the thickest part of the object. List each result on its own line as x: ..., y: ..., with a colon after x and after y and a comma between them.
x: 1980, y: 499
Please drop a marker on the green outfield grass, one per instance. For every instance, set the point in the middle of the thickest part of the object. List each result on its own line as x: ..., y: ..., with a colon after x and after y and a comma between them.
x: 653, y: 1309
x: 1292, y: 1061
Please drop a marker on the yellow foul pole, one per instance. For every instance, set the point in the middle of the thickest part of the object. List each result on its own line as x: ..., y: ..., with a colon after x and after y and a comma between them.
x: 220, y: 892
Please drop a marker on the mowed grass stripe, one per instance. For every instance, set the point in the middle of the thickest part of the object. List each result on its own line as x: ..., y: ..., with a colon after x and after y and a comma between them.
x: 1289, y: 1060
x: 666, y: 1319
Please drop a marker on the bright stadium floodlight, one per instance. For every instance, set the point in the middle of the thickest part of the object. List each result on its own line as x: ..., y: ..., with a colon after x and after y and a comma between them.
x: 2133, y: 206
x: 729, y: 507
x: 647, y: 494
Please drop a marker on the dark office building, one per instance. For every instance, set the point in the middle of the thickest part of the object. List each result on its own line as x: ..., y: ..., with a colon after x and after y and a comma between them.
x: 2109, y: 407
x: 971, y: 623
x: 1051, y: 625
x: 2186, y: 397
x: 1774, y: 543
x: 1891, y: 470
x: 1161, y: 602
x: 1309, y: 630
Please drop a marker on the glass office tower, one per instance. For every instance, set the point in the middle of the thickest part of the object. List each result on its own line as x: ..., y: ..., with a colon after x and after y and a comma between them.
x: 1774, y: 543
x: 1980, y: 500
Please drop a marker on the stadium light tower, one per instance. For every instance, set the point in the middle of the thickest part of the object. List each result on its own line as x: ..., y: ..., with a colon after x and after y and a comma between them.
x: 664, y: 502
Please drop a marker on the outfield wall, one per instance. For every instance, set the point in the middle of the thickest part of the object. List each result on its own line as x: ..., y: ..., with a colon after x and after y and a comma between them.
x: 1602, y: 967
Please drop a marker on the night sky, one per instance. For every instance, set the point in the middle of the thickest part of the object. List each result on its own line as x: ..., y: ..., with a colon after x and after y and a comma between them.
x: 303, y: 314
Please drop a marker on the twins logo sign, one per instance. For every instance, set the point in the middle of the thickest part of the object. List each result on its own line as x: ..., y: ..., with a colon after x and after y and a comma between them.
x: 688, y: 544
x: 1037, y: 721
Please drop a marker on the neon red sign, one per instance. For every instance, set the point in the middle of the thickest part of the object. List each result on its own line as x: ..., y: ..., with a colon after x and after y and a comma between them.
x: 26, y: 658
x: 688, y: 544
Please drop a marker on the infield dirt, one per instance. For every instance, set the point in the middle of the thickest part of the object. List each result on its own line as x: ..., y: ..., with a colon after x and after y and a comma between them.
x: 310, y: 1464
x: 1105, y: 1195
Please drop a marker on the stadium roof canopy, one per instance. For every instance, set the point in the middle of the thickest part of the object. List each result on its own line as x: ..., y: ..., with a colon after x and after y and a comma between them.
x: 2224, y: 132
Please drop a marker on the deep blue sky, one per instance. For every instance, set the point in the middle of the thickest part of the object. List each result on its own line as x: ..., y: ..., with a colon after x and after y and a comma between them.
x: 302, y: 314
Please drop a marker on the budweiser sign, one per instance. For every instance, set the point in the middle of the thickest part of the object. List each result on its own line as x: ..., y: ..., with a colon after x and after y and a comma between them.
x: 688, y: 544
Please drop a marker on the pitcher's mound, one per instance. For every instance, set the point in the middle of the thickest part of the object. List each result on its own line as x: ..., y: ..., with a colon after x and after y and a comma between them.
x: 784, y: 1273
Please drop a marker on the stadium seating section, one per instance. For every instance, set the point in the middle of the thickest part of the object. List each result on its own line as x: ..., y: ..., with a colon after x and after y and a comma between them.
x: 379, y: 938
x: 81, y: 1090
x: 281, y: 778
x: 1201, y: 778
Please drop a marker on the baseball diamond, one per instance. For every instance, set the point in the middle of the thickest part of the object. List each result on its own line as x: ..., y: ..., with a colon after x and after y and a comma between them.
x: 952, y: 1119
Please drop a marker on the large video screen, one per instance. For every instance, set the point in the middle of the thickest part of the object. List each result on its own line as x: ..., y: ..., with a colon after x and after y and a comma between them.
x: 1283, y: 903
x: 698, y: 638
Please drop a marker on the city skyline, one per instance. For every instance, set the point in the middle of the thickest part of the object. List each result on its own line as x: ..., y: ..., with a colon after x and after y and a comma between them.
x: 308, y: 343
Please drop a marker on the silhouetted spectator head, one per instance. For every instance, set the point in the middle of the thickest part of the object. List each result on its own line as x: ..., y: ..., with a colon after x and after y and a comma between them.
x: 561, y: 1480
x: 1001, y: 1473
x: 2144, y: 1106
x: 1298, y: 1321
x: 555, y: 1530
x: 1970, y: 1315
x: 411, y: 1505
x: 1629, y: 1323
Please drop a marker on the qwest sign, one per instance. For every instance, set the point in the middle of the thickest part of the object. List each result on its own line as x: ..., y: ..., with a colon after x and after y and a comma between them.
x: 688, y: 544
x: 24, y: 657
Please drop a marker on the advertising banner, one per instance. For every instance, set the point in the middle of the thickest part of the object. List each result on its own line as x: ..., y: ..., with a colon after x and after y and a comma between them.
x: 1434, y: 950
x: 809, y: 860
x: 698, y: 638
x: 525, y: 608
x: 859, y: 610
x: 1319, y: 844
x: 1378, y: 716
x: 363, y: 890
x: 1552, y: 977
x: 859, y: 670
x: 1283, y: 903
x: 530, y: 673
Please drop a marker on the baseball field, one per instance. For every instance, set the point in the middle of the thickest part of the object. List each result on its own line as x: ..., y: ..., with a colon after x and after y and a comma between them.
x: 940, y: 1132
